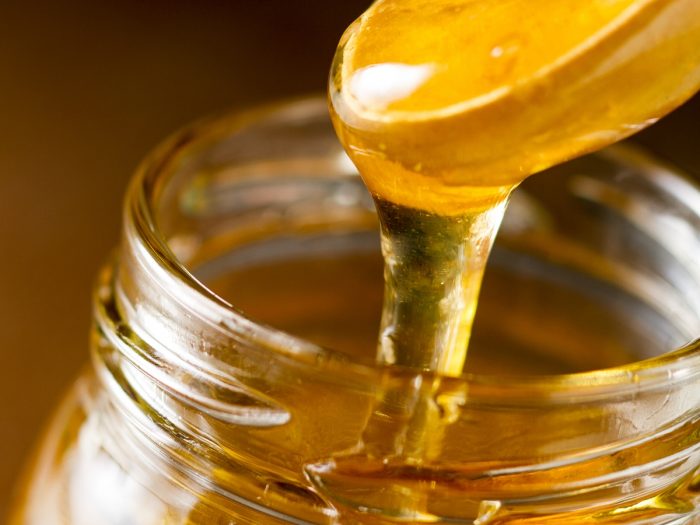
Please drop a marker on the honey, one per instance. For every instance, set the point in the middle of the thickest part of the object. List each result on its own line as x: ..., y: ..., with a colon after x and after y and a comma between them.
x: 432, y: 96
x: 445, y: 106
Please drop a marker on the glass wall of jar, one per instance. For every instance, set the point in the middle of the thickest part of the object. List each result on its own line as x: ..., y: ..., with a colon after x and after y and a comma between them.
x: 233, y: 377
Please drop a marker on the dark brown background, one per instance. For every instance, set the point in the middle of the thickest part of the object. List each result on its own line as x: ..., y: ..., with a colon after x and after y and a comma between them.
x: 86, y: 89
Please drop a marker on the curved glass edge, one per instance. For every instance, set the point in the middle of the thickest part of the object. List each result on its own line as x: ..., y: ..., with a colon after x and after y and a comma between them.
x: 677, y: 366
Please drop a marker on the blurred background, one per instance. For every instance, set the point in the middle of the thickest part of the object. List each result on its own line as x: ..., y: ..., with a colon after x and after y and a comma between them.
x: 86, y: 90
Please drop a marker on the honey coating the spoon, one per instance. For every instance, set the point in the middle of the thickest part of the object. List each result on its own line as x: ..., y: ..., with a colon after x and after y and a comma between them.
x: 445, y: 106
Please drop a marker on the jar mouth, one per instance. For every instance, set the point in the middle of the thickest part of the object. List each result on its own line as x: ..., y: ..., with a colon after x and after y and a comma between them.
x: 143, y: 202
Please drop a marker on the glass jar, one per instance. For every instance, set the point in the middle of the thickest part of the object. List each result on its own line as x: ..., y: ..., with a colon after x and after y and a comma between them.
x: 579, y: 405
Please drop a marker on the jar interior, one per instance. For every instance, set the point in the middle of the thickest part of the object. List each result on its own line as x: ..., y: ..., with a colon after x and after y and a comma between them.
x: 572, y: 284
x: 596, y: 265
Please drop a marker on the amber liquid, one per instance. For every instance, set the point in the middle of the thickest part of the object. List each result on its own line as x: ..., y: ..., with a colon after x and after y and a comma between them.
x: 445, y: 106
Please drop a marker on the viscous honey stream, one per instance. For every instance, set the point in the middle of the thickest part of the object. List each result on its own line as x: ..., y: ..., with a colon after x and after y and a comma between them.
x: 445, y: 106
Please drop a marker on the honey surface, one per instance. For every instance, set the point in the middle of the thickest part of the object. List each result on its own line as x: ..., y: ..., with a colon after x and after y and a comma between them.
x: 432, y: 96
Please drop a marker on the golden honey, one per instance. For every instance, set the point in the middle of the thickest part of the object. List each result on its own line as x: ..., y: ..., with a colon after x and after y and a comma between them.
x: 445, y: 106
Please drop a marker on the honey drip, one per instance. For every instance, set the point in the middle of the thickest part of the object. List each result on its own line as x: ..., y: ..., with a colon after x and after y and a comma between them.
x: 445, y: 106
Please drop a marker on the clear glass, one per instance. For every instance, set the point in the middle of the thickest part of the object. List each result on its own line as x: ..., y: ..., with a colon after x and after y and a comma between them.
x: 233, y: 375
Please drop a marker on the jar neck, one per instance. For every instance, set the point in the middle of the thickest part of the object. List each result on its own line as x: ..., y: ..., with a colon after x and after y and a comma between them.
x: 185, y: 418
x: 236, y: 410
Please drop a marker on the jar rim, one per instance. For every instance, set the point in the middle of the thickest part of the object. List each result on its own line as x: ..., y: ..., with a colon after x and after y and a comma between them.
x: 140, y: 211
